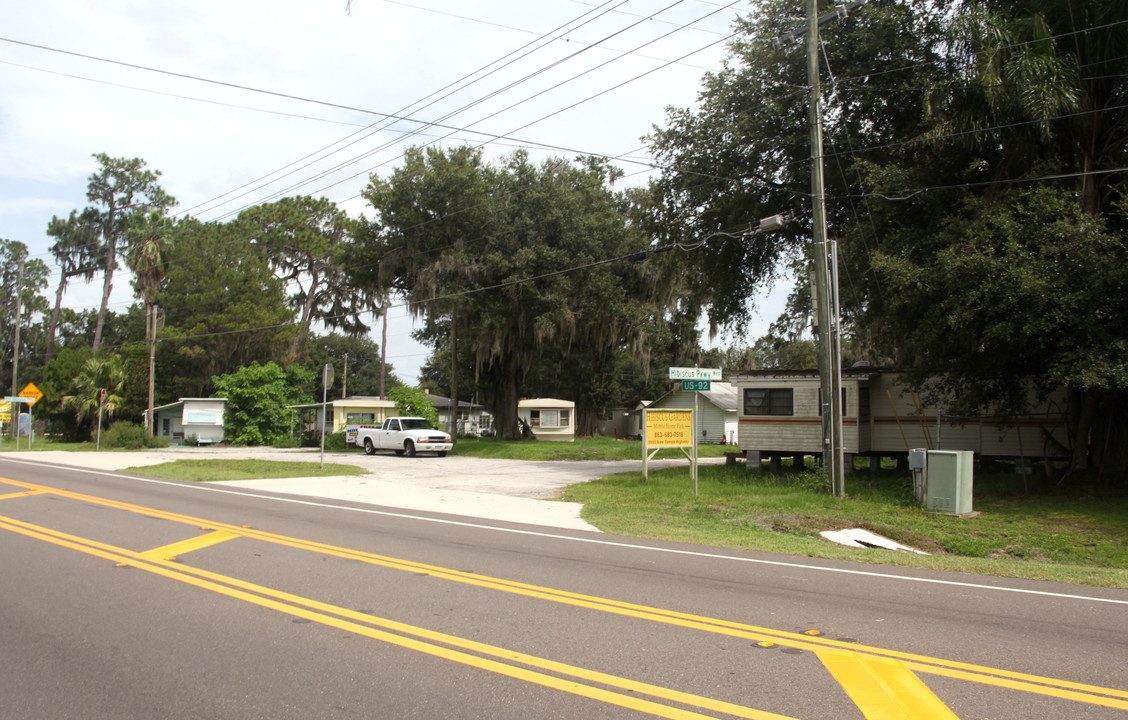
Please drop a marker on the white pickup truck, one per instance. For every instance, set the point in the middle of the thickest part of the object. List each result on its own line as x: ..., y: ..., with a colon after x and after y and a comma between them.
x: 404, y: 436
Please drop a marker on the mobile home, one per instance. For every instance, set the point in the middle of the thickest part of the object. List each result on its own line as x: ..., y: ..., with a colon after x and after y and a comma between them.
x: 781, y: 416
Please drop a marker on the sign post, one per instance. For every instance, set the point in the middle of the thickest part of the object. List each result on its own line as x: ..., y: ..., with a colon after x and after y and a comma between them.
x: 695, y: 380
x: 18, y: 400
x: 33, y: 394
x: 326, y: 381
x: 101, y: 403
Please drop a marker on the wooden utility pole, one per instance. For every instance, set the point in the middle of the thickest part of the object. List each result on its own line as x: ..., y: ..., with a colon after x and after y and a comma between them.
x: 384, y: 349
x: 826, y: 275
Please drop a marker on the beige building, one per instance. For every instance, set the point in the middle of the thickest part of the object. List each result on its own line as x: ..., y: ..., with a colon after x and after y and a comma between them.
x: 341, y: 413
x: 780, y: 416
x: 549, y: 418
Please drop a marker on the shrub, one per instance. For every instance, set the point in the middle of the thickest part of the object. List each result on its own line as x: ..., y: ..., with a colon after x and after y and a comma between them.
x: 130, y: 436
x: 333, y: 441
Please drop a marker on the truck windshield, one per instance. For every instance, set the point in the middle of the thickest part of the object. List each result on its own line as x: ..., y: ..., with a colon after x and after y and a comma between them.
x: 416, y: 424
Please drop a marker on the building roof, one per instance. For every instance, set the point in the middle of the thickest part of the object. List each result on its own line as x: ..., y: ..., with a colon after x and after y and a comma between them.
x: 350, y: 401
x: 181, y: 401
x: 545, y: 403
x: 721, y: 394
x: 860, y: 369
x: 443, y: 403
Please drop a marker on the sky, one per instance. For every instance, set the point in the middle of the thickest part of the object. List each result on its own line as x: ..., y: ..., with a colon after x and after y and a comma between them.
x: 239, y: 102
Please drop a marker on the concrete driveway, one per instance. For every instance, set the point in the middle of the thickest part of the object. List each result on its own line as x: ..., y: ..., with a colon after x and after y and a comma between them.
x: 512, y: 490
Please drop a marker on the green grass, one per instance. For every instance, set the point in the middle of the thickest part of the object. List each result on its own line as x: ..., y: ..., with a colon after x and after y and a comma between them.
x: 219, y: 470
x: 1076, y: 533
x: 593, y: 448
x: 1069, y: 534
x: 8, y: 444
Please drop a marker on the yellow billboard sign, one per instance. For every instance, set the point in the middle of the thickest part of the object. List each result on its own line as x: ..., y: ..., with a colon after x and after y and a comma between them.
x: 669, y: 428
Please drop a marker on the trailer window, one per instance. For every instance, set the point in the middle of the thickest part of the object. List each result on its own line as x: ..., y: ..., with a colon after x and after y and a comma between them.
x: 769, y: 401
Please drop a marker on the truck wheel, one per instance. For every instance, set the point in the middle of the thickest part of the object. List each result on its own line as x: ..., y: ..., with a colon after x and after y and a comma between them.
x: 369, y: 448
x: 409, y: 448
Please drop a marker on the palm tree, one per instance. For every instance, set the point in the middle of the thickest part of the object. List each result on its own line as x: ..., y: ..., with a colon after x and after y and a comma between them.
x: 105, y: 372
x: 145, y: 260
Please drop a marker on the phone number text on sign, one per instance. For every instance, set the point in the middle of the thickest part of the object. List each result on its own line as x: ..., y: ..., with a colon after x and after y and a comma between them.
x: 669, y: 428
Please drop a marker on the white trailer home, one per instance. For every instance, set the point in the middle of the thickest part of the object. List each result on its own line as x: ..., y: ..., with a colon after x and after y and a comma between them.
x: 780, y: 416
x: 197, y: 421
x: 549, y: 418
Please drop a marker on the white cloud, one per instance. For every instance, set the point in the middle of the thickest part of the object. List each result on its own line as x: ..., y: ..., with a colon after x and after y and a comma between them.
x: 57, y: 109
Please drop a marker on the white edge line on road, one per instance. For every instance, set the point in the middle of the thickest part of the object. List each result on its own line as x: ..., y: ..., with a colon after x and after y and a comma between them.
x: 593, y: 541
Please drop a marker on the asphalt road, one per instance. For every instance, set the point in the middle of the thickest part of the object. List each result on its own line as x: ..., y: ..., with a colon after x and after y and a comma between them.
x: 132, y: 597
x: 477, y: 487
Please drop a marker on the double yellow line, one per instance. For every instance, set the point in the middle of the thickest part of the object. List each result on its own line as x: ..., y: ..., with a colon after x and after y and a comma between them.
x: 883, y: 683
x: 560, y: 676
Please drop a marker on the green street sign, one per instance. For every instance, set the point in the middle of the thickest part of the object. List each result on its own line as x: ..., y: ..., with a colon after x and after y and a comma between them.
x: 696, y: 385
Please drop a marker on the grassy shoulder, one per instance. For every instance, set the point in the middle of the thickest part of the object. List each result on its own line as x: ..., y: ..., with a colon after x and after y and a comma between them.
x: 1067, y: 535
x: 220, y: 470
x: 8, y: 444
x: 593, y: 448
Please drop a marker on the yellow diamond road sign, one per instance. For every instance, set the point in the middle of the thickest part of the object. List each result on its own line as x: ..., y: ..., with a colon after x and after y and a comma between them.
x: 32, y: 392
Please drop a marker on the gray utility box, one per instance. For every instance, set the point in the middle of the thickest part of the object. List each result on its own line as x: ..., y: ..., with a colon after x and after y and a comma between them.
x: 949, y: 476
x: 918, y: 463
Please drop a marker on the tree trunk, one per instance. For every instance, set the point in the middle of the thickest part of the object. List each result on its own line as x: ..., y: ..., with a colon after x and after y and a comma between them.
x: 107, y: 288
x: 303, y: 332
x: 53, y: 324
x: 505, y: 401
x: 587, y: 422
x: 108, y: 229
x: 1109, y: 451
x: 1082, y: 409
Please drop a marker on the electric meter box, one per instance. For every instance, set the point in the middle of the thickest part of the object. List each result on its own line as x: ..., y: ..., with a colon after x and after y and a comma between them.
x: 949, y: 485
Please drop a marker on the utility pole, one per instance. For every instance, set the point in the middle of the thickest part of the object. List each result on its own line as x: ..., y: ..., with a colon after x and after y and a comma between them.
x: 826, y: 275
x: 16, y: 342
x: 384, y: 348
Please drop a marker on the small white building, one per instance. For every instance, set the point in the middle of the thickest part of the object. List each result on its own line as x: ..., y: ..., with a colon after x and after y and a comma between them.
x: 548, y: 418
x: 717, y: 412
x: 342, y: 413
x: 472, y: 418
x: 188, y: 419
